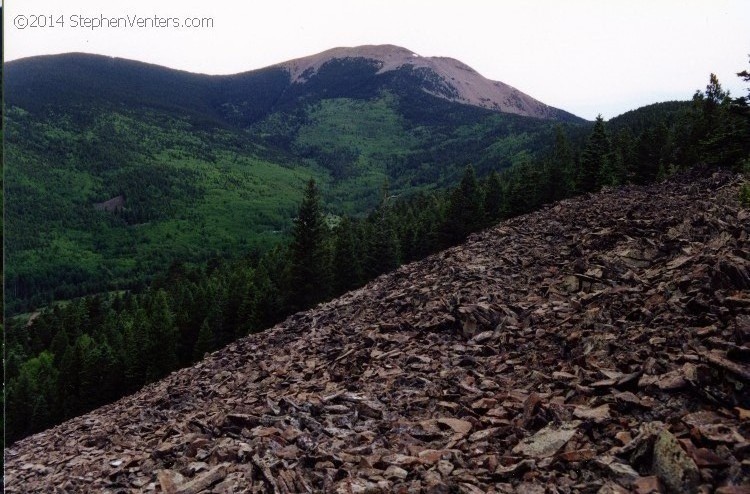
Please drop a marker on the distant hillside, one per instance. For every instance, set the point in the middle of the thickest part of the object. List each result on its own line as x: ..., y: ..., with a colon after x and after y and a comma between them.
x: 645, y: 117
x: 213, y: 166
x: 598, y: 345
x: 362, y: 71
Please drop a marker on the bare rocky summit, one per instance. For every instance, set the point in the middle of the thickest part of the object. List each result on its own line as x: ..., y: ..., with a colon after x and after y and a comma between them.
x: 448, y: 78
x: 599, y: 345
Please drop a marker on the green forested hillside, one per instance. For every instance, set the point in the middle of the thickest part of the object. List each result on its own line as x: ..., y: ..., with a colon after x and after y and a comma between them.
x: 199, y: 167
x: 187, y: 194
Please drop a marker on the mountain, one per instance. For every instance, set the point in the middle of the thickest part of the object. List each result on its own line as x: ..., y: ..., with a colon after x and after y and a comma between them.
x: 443, y: 77
x: 213, y: 166
x: 596, y: 345
x: 246, y: 97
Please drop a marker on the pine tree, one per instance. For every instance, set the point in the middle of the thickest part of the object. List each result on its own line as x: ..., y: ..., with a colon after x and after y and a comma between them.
x: 595, y: 158
x: 493, y: 197
x: 524, y: 188
x: 247, y: 317
x: 269, y: 297
x: 91, y: 372
x: 160, y: 346
x: 428, y: 224
x: 465, y: 212
x: 205, y: 341
x: 745, y: 76
x: 136, y: 334
x: 721, y: 131
x: 383, y: 249
x: 649, y: 150
x: 347, y: 270
x: 31, y: 396
x: 308, y: 276
x: 563, y: 172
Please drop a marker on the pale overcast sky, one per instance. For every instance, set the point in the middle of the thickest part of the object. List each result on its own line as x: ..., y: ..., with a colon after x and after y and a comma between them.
x: 584, y: 56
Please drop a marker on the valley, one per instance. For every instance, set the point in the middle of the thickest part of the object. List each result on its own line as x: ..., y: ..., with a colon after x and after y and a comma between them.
x: 213, y: 166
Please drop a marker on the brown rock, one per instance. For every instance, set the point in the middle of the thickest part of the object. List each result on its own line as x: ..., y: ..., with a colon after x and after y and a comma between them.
x: 547, y: 441
x: 430, y: 456
x: 647, y: 485
x: 578, y: 455
x: 734, y: 489
x: 598, y: 415
x: 395, y: 472
x: 459, y: 426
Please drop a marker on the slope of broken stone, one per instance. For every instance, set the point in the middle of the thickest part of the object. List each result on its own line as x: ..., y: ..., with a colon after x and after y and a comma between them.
x: 599, y: 345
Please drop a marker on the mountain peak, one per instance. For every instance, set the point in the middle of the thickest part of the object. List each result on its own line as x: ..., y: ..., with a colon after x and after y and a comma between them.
x: 390, y: 56
x: 444, y: 77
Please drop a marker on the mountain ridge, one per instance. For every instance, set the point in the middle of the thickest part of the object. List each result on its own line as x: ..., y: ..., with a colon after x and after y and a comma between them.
x: 114, y: 124
x: 592, y: 345
x: 451, y: 79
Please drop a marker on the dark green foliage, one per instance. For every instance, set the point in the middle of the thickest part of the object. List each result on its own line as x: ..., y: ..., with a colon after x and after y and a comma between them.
x: 383, y: 250
x: 493, y: 197
x: 269, y: 292
x: 524, y: 185
x: 30, y: 404
x: 160, y: 344
x: 382, y: 245
x: 595, y: 166
x: 308, y: 269
x: 649, y: 154
x: 745, y: 195
x: 724, y: 131
x: 465, y: 213
x: 205, y: 342
x: 347, y: 255
x: 563, y: 169
x: 745, y: 76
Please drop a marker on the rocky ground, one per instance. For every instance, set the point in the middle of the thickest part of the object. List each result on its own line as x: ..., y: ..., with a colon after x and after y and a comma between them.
x: 600, y: 345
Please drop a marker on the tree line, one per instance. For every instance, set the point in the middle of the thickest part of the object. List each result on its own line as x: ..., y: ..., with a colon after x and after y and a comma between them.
x: 72, y: 357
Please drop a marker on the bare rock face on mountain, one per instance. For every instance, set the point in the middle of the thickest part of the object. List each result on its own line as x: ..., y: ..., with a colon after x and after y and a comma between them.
x: 600, y: 345
x: 442, y: 77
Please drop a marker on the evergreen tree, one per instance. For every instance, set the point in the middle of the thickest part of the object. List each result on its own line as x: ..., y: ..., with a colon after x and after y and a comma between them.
x: 723, y: 134
x: 136, y: 334
x: 649, y: 151
x: 347, y: 270
x: 595, y: 158
x: 465, y: 212
x: 428, y: 223
x: 31, y: 396
x: 269, y: 296
x: 205, y: 342
x: 524, y: 187
x: 247, y: 313
x: 383, y: 246
x: 745, y: 76
x: 238, y: 284
x: 92, y: 370
x: 58, y: 346
x: 160, y: 345
x: 563, y: 167
x: 383, y: 249
x: 308, y: 277
x: 493, y: 198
